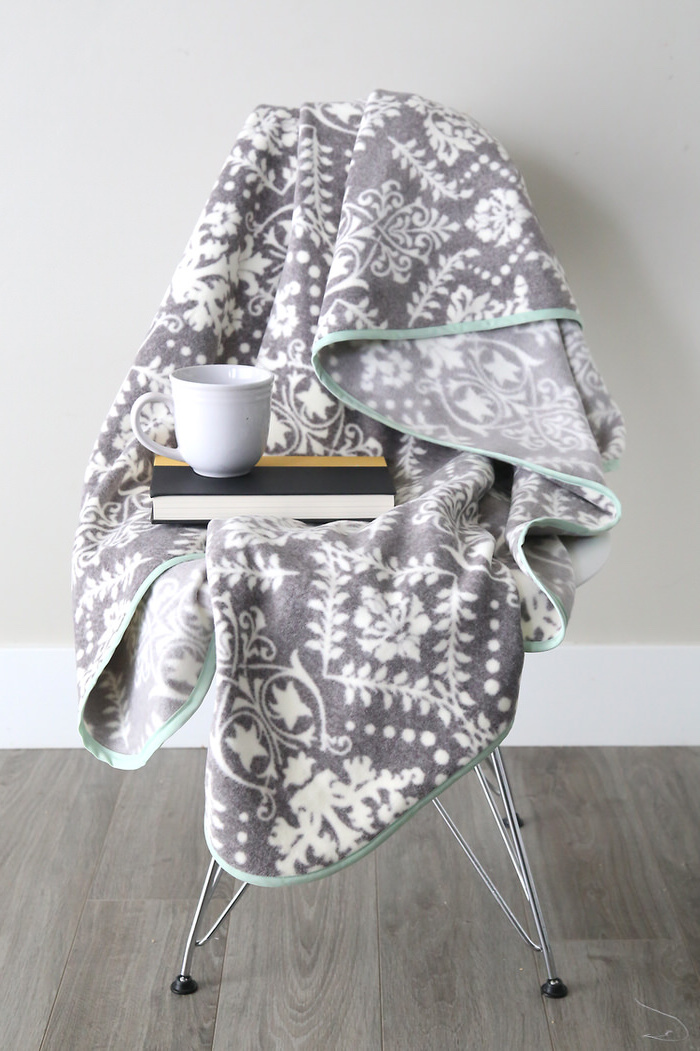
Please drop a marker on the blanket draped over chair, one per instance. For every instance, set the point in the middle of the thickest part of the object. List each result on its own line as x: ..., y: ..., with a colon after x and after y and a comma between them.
x: 384, y: 262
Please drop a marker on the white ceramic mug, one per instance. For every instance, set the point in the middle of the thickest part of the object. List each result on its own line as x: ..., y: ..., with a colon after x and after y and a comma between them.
x: 222, y: 418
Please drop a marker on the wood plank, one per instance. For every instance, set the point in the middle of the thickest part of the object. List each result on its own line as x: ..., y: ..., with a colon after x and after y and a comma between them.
x: 598, y: 875
x: 116, y: 989
x: 55, y: 808
x: 156, y: 846
x: 616, y: 990
x: 612, y: 837
x: 664, y: 784
x: 302, y: 967
x: 454, y: 972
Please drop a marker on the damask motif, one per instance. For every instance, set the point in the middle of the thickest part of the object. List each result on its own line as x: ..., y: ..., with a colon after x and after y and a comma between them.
x: 604, y: 419
x: 446, y: 177
x: 509, y: 391
x: 344, y: 665
x: 157, y: 662
x: 500, y: 217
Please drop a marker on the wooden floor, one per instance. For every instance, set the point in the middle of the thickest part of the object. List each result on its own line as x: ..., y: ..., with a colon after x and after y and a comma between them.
x: 100, y: 871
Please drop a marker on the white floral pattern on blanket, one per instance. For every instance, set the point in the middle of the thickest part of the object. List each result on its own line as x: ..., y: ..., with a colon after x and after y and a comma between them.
x: 481, y: 390
x: 420, y: 175
x: 364, y: 663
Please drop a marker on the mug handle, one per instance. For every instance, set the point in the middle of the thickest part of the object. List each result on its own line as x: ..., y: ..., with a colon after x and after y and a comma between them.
x: 155, y: 447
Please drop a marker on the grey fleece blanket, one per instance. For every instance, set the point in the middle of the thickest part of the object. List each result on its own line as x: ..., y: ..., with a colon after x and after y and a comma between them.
x: 383, y: 260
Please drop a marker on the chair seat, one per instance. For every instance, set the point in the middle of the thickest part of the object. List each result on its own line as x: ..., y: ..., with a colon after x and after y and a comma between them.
x: 588, y: 555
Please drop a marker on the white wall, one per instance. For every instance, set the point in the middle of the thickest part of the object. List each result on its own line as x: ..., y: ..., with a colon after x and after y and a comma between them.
x: 577, y: 695
x: 116, y: 117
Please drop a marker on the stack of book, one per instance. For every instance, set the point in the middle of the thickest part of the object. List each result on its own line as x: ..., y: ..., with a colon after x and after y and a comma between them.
x: 311, y: 488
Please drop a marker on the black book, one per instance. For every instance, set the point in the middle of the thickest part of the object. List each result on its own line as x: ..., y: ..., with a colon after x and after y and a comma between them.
x: 311, y: 488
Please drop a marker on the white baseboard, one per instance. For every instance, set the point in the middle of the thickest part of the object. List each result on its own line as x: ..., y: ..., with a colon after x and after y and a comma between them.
x: 39, y: 702
x: 609, y: 695
x: 576, y: 695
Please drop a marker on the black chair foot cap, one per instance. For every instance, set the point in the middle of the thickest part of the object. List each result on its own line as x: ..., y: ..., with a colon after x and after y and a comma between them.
x: 554, y: 988
x: 183, y: 984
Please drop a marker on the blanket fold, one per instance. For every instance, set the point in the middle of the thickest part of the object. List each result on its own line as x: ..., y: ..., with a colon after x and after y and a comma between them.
x: 384, y: 262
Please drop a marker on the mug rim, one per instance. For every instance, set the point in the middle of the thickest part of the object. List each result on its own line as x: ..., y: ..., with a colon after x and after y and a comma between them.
x: 258, y: 377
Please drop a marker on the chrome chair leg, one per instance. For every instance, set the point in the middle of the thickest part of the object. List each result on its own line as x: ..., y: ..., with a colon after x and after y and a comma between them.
x: 185, y: 983
x: 509, y: 827
x: 553, y: 987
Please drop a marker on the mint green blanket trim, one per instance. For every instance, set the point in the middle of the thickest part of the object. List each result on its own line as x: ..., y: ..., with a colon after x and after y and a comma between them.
x: 284, y: 881
x: 453, y: 328
x: 121, y: 760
